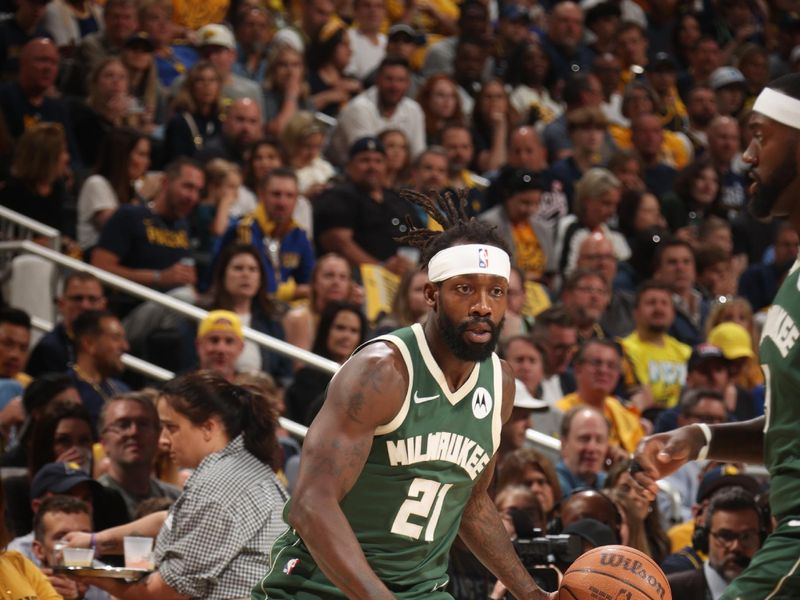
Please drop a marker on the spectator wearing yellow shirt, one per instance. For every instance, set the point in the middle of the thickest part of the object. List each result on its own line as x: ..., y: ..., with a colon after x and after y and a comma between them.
x: 640, y: 99
x: 517, y: 193
x: 19, y: 577
x: 597, y: 369
x: 655, y: 363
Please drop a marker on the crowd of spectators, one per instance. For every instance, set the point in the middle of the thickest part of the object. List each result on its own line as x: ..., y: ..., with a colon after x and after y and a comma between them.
x: 248, y: 157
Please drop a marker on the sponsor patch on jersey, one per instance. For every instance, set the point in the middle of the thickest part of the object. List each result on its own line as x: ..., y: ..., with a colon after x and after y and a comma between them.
x: 290, y: 565
x: 481, y: 403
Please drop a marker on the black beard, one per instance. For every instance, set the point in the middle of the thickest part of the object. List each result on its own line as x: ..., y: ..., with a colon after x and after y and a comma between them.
x: 767, y: 194
x: 454, y: 338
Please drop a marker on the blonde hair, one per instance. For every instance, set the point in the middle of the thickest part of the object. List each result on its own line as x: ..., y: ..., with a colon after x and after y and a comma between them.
x: 716, y: 314
x: 217, y: 170
x: 38, y: 153
x: 595, y: 182
x: 301, y: 125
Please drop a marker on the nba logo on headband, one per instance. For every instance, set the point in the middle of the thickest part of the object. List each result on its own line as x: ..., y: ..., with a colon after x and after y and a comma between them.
x: 483, y: 258
x: 460, y: 260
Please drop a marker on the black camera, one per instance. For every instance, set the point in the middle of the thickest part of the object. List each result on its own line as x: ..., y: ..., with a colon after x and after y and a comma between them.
x: 541, y: 549
x: 544, y: 556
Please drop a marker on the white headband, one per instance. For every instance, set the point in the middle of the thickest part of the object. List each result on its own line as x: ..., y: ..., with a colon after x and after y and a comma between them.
x: 469, y: 259
x: 778, y: 107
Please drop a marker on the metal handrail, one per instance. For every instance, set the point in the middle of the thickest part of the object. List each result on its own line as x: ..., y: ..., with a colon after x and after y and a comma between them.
x: 40, y: 229
x: 183, y: 308
x: 542, y: 439
x: 131, y: 362
x: 154, y: 371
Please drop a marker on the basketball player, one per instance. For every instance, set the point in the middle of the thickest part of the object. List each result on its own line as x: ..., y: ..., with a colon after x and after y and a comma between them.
x: 774, y: 157
x: 398, y: 460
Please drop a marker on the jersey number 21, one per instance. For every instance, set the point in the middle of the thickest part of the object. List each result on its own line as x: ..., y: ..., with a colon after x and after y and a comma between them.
x: 425, y: 500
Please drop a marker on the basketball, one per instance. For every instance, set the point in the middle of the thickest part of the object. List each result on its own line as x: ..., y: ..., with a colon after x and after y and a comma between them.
x: 614, y: 573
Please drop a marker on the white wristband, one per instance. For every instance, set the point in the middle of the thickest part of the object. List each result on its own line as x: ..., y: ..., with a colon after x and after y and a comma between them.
x: 707, y: 433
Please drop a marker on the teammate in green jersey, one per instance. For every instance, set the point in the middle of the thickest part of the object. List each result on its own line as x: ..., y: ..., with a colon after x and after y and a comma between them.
x: 398, y: 461
x: 774, y: 157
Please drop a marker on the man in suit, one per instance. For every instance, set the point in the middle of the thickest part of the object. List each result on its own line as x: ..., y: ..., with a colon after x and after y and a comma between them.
x: 733, y: 534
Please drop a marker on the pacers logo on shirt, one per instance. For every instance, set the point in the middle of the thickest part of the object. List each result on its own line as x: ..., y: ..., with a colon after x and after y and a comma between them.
x: 481, y: 403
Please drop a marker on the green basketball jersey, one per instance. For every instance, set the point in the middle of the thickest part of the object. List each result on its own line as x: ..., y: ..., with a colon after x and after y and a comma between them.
x: 780, y: 358
x: 405, y: 508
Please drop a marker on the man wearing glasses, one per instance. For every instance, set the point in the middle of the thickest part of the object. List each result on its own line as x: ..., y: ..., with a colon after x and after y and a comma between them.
x: 731, y: 537
x: 129, y: 429
x: 55, y: 351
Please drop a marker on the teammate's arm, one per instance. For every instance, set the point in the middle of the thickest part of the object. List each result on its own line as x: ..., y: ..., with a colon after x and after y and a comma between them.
x: 664, y: 453
x: 367, y: 392
x: 483, y: 531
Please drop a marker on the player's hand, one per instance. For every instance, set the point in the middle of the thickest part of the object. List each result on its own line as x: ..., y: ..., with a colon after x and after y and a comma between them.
x: 660, y: 455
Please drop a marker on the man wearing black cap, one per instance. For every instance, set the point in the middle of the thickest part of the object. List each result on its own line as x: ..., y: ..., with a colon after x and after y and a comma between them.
x: 401, y: 41
x: 60, y: 478
x: 661, y: 73
x: 361, y: 218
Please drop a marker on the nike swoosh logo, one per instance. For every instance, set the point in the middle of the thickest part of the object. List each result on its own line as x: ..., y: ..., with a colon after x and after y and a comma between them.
x: 421, y: 399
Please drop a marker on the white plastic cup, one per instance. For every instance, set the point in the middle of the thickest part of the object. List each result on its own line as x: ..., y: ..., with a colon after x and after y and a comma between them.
x: 78, y: 557
x: 138, y: 552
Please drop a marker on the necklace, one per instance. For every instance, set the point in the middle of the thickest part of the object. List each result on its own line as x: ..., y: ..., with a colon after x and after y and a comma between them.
x: 97, y: 387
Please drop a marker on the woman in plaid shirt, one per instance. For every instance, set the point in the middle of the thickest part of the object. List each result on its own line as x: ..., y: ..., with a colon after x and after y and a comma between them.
x: 214, y: 542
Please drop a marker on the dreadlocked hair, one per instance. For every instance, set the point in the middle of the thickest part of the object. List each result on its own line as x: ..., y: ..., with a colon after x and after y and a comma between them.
x: 448, y: 209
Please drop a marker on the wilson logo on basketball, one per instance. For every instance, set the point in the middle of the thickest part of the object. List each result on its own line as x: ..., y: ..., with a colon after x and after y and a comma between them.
x: 634, y: 566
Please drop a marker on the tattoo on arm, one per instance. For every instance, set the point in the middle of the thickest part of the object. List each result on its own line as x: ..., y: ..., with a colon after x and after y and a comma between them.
x: 369, y: 386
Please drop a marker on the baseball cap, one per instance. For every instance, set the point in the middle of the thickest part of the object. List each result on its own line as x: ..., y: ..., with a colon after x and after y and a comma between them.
x: 524, y: 399
x: 59, y: 478
x: 733, y: 340
x: 725, y: 476
x: 140, y: 39
x: 514, y: 12
x: 592, y: 531
x: 216, y: 35
x: 702, y: 353
x: 222, y: 321
x: 366, y: 144
x: 661, y: 61
x: 724, y: 76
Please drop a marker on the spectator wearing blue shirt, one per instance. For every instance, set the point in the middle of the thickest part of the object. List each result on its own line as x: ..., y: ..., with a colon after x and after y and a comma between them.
x: 25, y: 102
x: 172, y: 60
x: 584, y: 446
x: 16, y: 31
x: 100, y: 342
x: 150, y: 244
x: 285, y: 250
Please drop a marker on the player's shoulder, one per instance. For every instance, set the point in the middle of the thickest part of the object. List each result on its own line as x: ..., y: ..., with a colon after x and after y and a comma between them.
x: 381, y: 357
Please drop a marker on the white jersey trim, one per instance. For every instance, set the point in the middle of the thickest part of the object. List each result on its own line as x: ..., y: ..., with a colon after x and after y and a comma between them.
x: 497, y: 415
x: 403, y: 412
x: 436, y: 371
